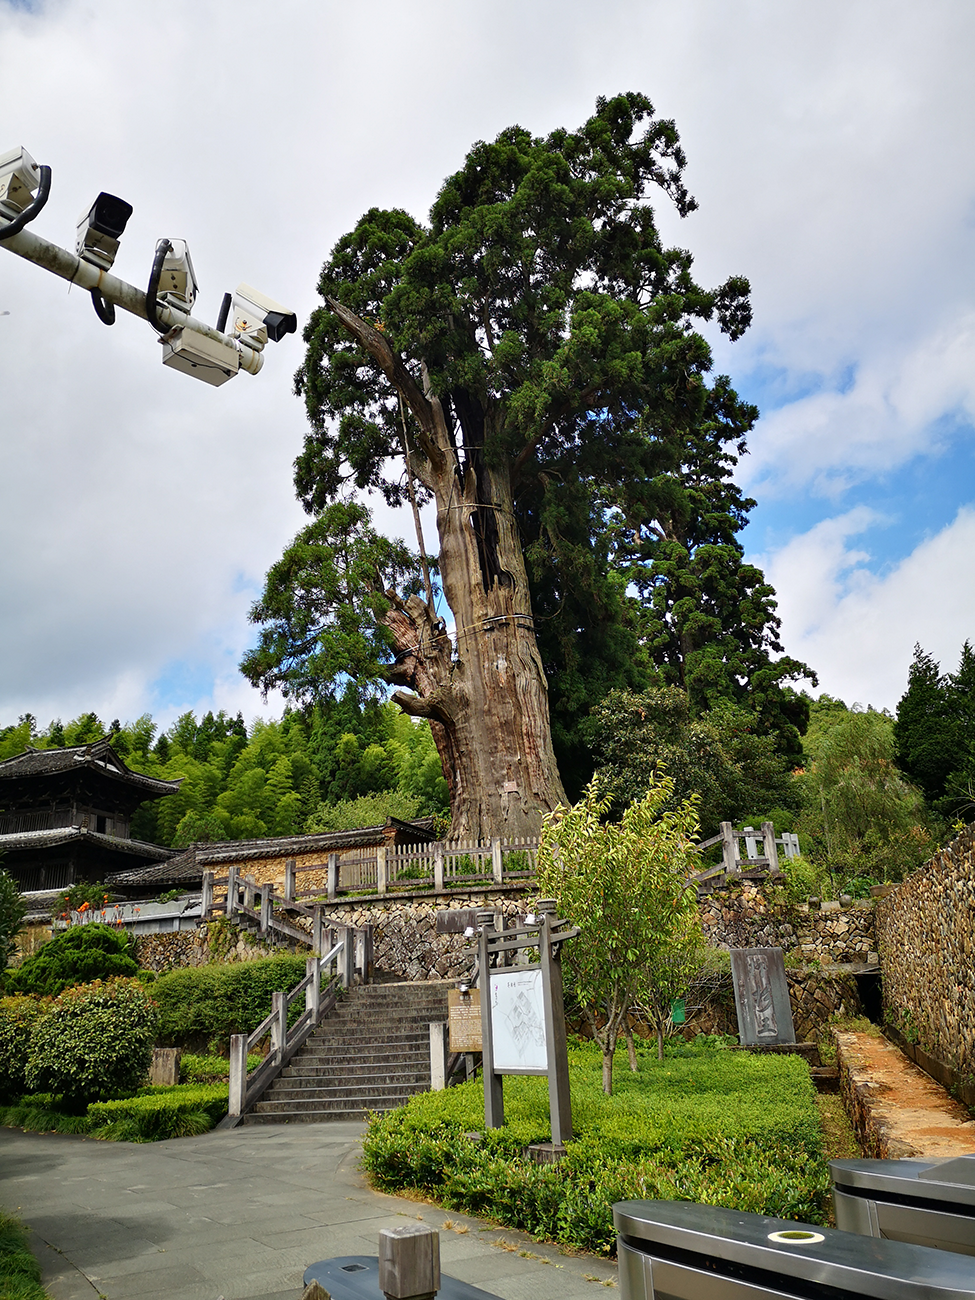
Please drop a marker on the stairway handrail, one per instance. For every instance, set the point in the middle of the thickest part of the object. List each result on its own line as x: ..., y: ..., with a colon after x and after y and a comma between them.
x: 247, y: 1086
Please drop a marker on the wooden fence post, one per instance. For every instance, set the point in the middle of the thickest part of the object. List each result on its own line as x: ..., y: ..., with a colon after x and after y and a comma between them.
x: 290, y: 867
x: 409, y: 1262
x: 771, y: 849
x: 380, y: 868
x: 729, y: 846
x: 332, y: 886
x: 497, y: 862
x: 313, y: 972
x: 316, y: 930
x: 438, y: 866
x: 279, y: 1025
x: 751, y: 842
x: 206, y: 896
x: 238, y: 1074
x: 266, y: 912
x: 347, y: 959
x: 231, y: 902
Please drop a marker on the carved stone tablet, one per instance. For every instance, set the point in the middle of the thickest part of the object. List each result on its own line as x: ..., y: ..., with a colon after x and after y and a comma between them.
x: 455, y: 920
x: 762, y: 996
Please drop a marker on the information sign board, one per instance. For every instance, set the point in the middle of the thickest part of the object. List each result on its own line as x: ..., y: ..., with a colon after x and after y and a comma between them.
x: 518, y: 1021
x: 464, y: 1020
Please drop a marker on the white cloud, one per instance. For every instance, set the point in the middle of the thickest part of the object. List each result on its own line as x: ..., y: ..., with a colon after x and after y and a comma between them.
x: 828, y: 145
x: 858, y: 628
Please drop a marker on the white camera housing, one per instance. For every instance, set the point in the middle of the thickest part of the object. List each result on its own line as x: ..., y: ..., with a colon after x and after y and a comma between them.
x: 19, y: 178
x: 200, y: 356
x: 257, y: 318
x: 178, y: 285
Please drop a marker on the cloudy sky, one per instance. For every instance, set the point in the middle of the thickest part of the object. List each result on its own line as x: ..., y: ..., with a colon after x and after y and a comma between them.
x: 829, y: 146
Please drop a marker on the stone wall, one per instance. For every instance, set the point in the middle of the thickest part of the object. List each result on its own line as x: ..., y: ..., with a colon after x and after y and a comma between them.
x: 756, y: 914
x: 217, y: 941
x: 816, y: 997
x: 926, y: 939
x: 405, y: 938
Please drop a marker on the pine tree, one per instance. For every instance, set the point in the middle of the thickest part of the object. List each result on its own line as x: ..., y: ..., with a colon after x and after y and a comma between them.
x: 925, y: 730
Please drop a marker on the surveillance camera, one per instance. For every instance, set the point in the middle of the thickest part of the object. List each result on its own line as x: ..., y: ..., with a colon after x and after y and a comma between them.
x: 178, y: 285
x: 258, y: 318
x: 100, y: 228
x: 19, y: 178
x: 200, y: 356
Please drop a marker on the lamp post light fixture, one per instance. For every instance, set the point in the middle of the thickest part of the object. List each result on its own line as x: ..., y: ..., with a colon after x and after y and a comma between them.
x: 188, y: 344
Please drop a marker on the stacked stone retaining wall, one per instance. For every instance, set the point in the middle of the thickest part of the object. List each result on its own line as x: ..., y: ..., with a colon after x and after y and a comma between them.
x: 926, y: 939
x: 756, y: 914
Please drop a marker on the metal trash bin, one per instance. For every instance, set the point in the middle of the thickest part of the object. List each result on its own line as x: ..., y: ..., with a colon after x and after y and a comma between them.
x: 927, y: 1202
x: 676, y: 1250
x: 356, y: 1277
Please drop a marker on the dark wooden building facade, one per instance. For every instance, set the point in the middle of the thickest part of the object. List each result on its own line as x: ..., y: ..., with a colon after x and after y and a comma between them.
x: 65, y: 816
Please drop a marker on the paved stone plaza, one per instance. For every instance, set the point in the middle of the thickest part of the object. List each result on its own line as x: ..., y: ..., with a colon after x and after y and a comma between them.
x: 239, y: 1214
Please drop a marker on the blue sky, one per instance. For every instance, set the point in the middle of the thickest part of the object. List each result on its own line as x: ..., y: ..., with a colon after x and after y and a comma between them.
x: 828, y: 146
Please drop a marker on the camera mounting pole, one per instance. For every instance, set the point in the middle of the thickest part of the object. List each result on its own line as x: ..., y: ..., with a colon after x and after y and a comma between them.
x: 60, y: 262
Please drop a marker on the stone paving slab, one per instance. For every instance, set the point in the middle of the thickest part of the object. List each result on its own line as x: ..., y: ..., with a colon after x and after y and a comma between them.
x: 240, y: 1214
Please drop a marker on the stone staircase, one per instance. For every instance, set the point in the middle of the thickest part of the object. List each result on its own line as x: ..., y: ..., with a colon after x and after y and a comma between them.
x: 371, y: 1053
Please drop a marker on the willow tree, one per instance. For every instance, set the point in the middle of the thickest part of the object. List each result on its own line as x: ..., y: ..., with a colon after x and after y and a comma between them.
x: 526, y: 359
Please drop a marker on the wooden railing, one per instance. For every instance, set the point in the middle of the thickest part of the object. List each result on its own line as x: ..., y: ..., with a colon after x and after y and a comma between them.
x: 734, y: 861
x: 320, y: 996
x: 440, y: 867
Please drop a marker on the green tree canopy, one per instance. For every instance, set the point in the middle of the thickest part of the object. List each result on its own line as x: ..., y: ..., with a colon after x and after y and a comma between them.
x: 530, y: 359
x: 720, y: 756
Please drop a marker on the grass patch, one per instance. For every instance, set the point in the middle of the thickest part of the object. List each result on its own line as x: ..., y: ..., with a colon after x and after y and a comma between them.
x: 723, y: 1128
x: 211, y: 1069
x: 20, y: 1273
x: 150, y: 1115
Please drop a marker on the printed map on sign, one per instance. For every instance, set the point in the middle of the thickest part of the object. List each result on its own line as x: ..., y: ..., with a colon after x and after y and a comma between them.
x: 518, y: 1021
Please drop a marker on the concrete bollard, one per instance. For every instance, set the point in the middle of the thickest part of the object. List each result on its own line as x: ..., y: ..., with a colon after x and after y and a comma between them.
x: 409, y: 1262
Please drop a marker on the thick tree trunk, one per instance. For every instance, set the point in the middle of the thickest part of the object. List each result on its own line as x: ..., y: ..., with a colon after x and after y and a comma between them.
x: 485, y: 690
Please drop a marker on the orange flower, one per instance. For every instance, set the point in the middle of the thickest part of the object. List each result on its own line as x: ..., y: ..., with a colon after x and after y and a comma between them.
x: 83, y: 907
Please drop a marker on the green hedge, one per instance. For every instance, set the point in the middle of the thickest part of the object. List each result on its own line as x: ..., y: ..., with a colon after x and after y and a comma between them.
x: 18, y: 1016
x: 157, y: 1113
x: 209, y: 1003
x: 151, y: 1115
x: 720, y: 1127
x: 20, y: 1273
x: 94, y: 1043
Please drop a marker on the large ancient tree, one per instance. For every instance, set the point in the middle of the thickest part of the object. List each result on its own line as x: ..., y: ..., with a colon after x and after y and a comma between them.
x: 529, y: 361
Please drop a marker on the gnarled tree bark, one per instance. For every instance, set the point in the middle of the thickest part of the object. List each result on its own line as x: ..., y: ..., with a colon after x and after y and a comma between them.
x: 483, y: 686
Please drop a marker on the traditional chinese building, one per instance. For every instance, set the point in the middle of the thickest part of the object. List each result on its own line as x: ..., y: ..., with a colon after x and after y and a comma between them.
x: 65, y: 816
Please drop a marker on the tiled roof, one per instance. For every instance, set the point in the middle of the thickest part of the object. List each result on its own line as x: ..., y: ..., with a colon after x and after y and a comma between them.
x: 66, y: 834
x: 99, y: 756
x: 192, y: 862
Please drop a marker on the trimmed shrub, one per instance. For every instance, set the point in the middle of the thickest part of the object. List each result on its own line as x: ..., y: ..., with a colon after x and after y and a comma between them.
x: 96, y: 1042
x: 79, y: 955
x: 719, y: 1127
x: 206, y: 1004
x: 18, y: 1016
x: 159, y: 1113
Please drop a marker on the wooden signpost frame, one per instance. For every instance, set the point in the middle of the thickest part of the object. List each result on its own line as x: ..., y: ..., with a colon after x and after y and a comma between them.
x: 494, y: 948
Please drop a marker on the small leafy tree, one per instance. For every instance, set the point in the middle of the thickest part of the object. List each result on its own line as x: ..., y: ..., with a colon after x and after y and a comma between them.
x: 77, y: 956
x: 13, y: 909
x: 96, y: 1043
x: 625, y: 885
x: 80, y: 897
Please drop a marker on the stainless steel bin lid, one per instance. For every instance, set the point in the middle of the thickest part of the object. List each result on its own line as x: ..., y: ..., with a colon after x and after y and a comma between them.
x: 919, y: 1181
x: 738, y: 1244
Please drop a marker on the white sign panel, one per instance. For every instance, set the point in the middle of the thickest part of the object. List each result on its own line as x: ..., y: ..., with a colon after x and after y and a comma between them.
x: 518, y: 1021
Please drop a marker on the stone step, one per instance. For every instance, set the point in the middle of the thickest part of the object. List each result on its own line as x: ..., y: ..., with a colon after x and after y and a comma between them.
x: 351, y: 1064
x: 382, y: 1101
x: 354, y: 1113
x: 361, y: 1092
